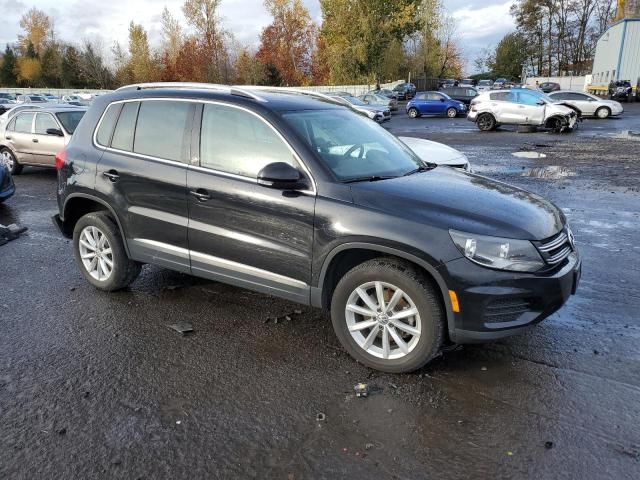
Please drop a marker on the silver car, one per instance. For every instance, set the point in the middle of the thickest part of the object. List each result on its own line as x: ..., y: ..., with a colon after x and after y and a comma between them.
x: 379, y: 100
x: 589, y: 105
x: 35, y: 135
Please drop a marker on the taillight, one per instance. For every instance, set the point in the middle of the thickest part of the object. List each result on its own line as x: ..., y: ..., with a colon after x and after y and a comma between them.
x: 60, y: 159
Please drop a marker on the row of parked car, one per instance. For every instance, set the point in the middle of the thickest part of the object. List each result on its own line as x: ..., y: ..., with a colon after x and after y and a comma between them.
x: 8, y: 100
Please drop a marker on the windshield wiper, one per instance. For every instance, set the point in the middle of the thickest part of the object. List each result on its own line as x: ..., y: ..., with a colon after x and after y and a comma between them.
x: 372, y: 178
x: 421, y: 168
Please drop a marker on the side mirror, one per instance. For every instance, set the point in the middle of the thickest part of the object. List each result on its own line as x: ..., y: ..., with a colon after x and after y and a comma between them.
x: 540, y: 102
x: 442, y: 100
x: 55, y: 131
x: 280, y: 175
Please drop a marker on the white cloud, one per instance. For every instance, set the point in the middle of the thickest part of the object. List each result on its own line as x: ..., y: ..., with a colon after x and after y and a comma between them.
x: 484, y: 22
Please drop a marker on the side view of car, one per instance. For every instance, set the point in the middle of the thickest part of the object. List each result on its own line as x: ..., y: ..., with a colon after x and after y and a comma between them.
x: 434, y: 103
x: 298, y: 197
x: 588, y: 105
x: 386, y: 92
x: 405, y: 91
x: 484, y: 85
x: 378, y: 100
x: 374, y: 112
x: 35, y: 136
x: 462, y: 94
x: 520, y: 107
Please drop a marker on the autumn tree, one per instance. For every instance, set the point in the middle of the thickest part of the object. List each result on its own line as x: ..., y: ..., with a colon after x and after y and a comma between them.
x: 248, y: 70
x: 8, y: 68
x: 359, y: 32
x: 28, y: 71
x: 287, y: 43
x: 210, y: 39
x: 142, y: 64
x: 37, y: 27
x: 172, y: 37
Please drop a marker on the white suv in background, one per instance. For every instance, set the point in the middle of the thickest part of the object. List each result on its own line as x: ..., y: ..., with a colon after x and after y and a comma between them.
x: 520, y: 106
x: 589, y: 105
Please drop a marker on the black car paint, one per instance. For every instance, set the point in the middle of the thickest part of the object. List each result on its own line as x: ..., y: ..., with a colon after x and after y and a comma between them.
x: 296, y: 235
x: 460, y: 93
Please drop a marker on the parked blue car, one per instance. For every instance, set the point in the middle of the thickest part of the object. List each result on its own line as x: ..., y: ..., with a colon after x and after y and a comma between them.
x: 435, y: 103
x: 7, y: 188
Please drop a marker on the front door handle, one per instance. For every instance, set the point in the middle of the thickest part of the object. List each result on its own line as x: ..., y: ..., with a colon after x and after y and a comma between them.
x: 112, y: 175
x: 34, y: 140
x: 201, y: 194
x: 7, y: 137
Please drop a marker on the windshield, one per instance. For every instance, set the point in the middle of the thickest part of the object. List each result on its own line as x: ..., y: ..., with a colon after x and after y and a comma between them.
x: 70, y: 120
x: 541, y: 95
x: 352, y: 147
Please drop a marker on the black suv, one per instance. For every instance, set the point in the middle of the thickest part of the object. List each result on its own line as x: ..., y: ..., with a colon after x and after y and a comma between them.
x: 299, y: 197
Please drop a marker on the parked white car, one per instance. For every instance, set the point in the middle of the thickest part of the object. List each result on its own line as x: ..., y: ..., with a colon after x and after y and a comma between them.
x: 484, y: 85
x: 589, y: 105
x: 438, y: 153
x: 520, y: 106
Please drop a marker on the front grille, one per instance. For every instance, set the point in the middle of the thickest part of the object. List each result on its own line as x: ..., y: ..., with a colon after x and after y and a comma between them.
x: 506, y: 310
x: 555, y: 249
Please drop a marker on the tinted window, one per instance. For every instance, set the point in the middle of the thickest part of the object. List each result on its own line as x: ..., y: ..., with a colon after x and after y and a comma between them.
x: 70, y: 120
x: 434, y: 96
x: 108, y: 122
x: 421, y: 96
x: 43, y: 122
x: 23, y: 123
x: 160, y: 131
x: 123, y: 134
x: 503, y: 96
x: 526, y: 98
x: 238, y: 142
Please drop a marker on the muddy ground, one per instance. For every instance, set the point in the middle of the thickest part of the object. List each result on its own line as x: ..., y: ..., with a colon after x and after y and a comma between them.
x: 94, y: 385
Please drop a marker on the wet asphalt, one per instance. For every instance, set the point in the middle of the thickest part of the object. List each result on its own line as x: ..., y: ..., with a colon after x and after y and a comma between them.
x: 95, y: 385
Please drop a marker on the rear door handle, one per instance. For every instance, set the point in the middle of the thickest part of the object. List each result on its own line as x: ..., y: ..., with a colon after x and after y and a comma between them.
x: 201, y: 194
x: 35, y: 140
x: 112, y: 175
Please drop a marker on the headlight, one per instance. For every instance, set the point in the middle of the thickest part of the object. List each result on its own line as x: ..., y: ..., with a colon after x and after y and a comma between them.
x: 499, y: 253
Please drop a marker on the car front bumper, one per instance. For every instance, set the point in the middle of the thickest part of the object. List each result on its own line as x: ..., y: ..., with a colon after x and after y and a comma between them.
x: 495, y: 304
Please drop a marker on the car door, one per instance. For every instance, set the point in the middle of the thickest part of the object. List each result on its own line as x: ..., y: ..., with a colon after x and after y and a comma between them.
x: 46, y: 145
x: 143, y: 173
x: 583, y: 102
x: 420, y: 102
x: 528, y: 110
x: 436, y: 104
x: 502, y: 105
x: 18, y: 136
x: 241, y: 232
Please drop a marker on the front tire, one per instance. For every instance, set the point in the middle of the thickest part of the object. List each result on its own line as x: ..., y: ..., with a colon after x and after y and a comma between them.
x: 413, y: 113
x: 603, y: 112
x: 10, y: 159
x: 388, y: 316
x: 452, y: 112
x: 100, y: 253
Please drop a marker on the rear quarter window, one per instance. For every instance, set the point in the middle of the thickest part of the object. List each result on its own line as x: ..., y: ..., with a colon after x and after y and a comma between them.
x: 105, y: 129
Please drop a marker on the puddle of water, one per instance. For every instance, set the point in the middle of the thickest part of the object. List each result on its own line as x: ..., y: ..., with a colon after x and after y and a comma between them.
x: 528, y: 155
x: 550, y: 172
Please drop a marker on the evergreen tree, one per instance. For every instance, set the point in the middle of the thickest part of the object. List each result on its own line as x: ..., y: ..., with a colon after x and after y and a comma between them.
x: 8, y: 68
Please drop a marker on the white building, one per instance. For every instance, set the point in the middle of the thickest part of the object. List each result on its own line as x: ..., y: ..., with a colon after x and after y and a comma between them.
x: 618, y: 50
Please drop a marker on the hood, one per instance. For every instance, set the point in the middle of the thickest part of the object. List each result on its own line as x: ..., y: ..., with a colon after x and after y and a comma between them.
x: 450, y: 199
x: 434, y: 152
x: 370, y: 108
x: 560, y: 107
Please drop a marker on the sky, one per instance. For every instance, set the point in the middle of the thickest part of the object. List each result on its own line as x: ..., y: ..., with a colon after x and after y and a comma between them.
x: 481, y: 23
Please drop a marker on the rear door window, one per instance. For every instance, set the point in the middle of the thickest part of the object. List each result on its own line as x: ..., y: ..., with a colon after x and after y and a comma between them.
x: 502, y: 96
x: 45, y: 121
x: 161, y: 129
x: 23, y: 123
x: 125, y: 128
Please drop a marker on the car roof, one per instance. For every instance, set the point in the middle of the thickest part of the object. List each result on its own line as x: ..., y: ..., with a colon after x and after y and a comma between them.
x: 271, y: 98
x: 55, y: 108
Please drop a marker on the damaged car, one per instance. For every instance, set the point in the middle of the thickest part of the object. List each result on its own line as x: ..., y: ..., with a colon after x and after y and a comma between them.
x: 520, y: 106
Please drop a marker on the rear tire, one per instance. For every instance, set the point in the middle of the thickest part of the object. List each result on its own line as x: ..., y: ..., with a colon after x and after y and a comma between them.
x: 107, y: 267
x: 486, y: 122
x: 602, y: 113
x: 420, y: 335
x: 413, y: 113
x: 14, y: 167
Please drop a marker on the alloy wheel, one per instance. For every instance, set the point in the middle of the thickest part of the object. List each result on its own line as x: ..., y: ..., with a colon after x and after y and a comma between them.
x: 383, y: 320
x: 7, y: 159
x: 452, y: 113
x: 484, y: 122
x: 96, y: 253
x: 602, y: 113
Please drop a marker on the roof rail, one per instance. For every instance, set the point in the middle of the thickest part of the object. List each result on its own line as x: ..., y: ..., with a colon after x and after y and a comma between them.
x: 193, y: 86
x: 300, y: 91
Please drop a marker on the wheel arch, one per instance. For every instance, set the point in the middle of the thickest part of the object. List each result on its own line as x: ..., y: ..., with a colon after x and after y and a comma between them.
x: 358, y: 252
x: 78, y: 204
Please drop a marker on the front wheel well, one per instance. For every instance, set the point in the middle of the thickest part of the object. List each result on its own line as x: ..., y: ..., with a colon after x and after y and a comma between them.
x: 345, y: 260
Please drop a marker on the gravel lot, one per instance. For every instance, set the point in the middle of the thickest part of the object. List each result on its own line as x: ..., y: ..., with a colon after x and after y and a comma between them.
x: 95, y: 385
